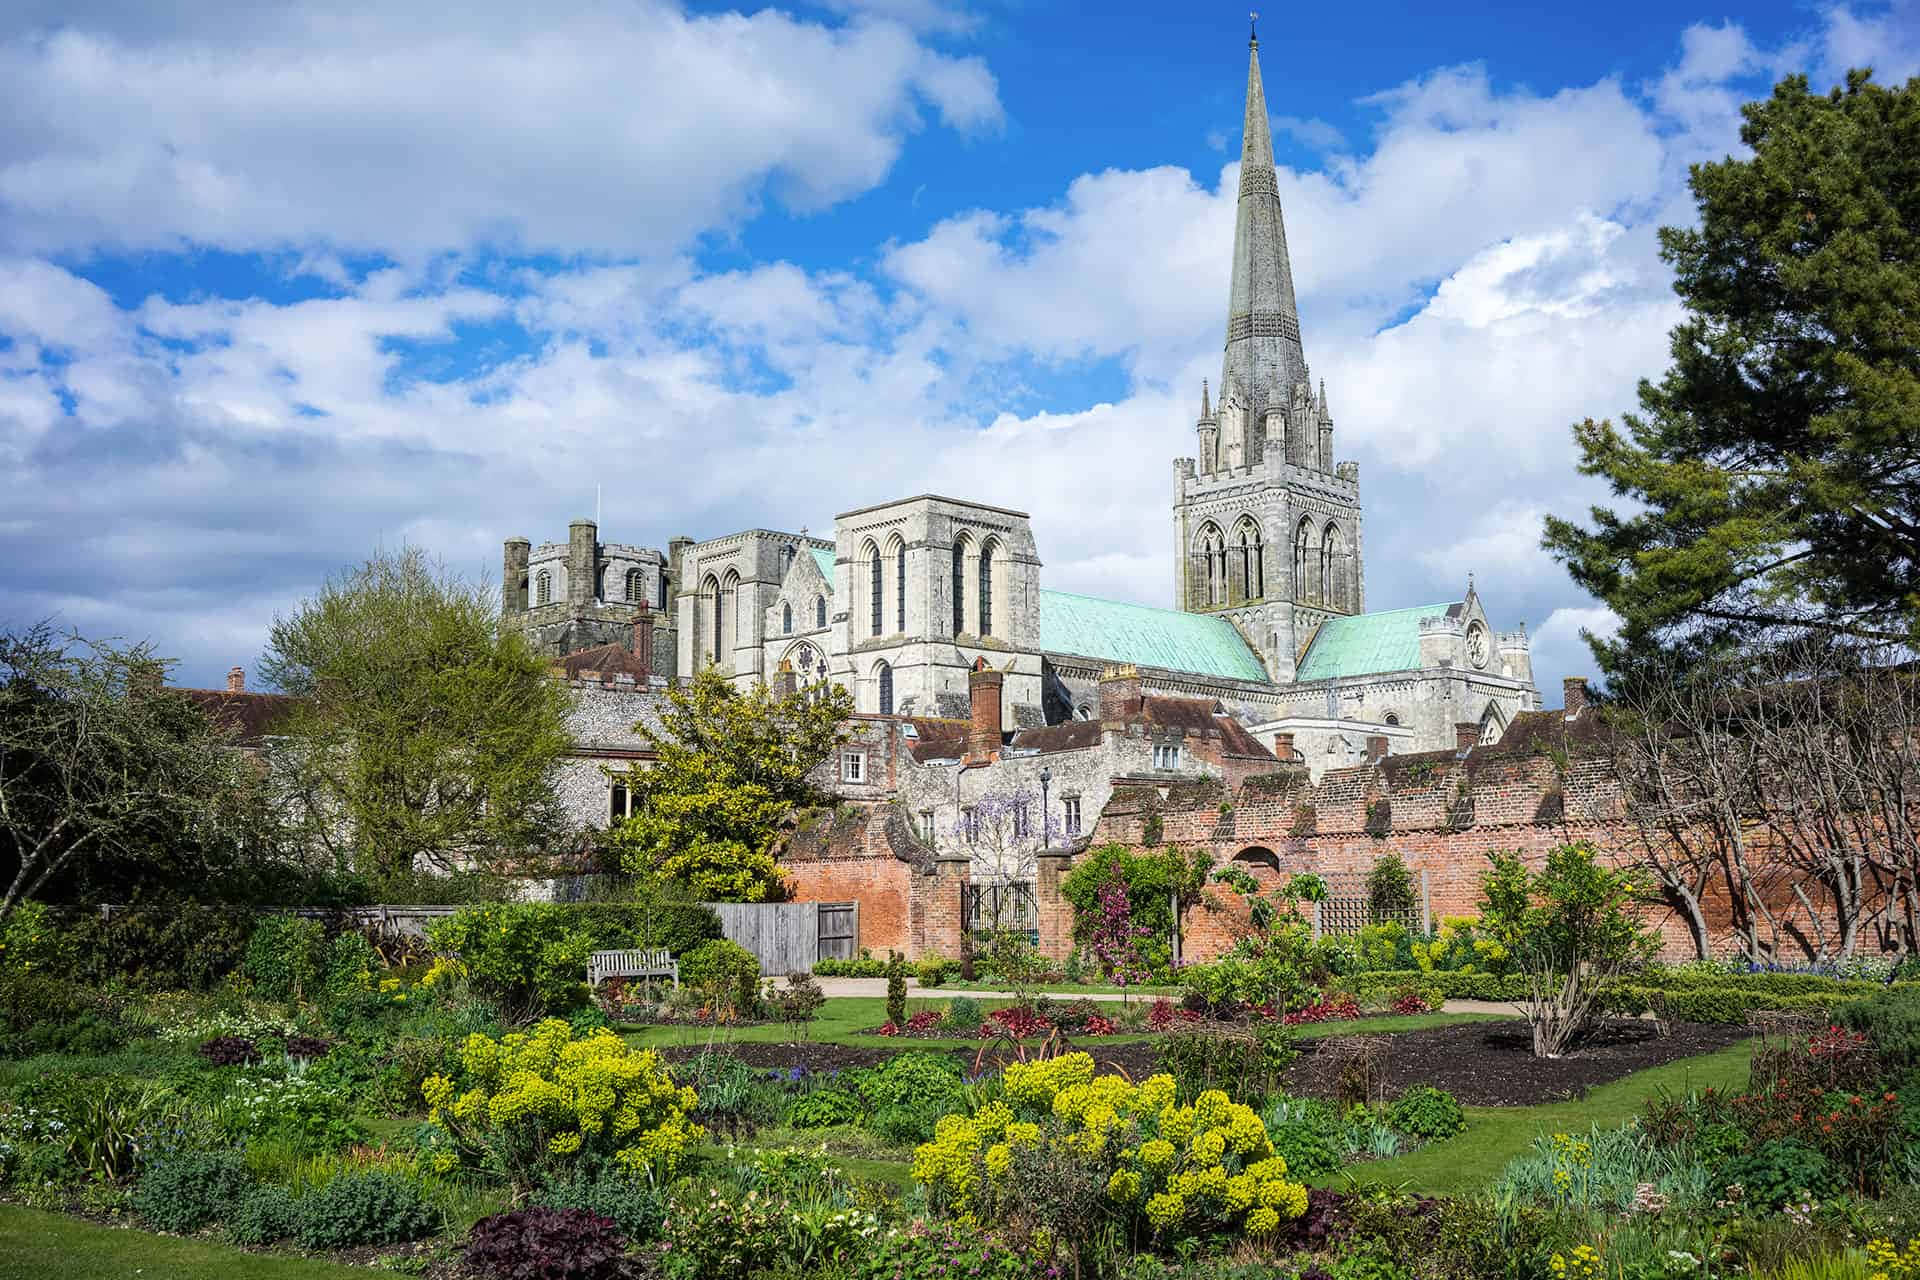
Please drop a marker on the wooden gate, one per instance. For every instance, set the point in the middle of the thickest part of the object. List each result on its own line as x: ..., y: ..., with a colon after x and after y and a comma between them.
x: 839, y: 934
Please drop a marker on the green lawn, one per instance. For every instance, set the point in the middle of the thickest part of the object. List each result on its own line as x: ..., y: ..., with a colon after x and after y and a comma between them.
x: 35, y: 1245
x: 843, y: 1018
x: 1497, y: 1134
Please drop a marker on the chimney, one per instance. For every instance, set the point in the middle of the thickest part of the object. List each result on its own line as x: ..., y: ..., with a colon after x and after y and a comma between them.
x: 643, y: 641
x: 1377, y: 747
x: 236, y: 680
x: 1119, y: 695
x: 983, y: 693
x: 1466, y: 736
x: 1575, y: 689
x: 1283, y: 746
x: 784, y: 681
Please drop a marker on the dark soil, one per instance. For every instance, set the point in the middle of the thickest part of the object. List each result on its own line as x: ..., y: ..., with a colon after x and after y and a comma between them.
x: 1483, y: 1064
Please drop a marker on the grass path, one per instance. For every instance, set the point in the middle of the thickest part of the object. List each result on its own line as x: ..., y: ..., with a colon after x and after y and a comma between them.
x: 843, y: 1018
x: 36, y: 1245
x: 1495, y: 1135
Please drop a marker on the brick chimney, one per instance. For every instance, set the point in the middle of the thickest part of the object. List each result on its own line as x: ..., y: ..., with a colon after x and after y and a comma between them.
x: 1283, y: 746
x: 1575, y: 690
x: 1119, y: 694
x: 784, y: 681
x: 643, y: 641
x: 236, y: 680
x: 1377, y: 747
x: 1466, y: 736
x: 983, y: 695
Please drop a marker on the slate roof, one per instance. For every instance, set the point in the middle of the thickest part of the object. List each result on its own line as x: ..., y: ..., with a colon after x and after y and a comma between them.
x: 1366, y: 643
x: 1114, y: 631
x: 1199, y: 716
x: 605, y: 659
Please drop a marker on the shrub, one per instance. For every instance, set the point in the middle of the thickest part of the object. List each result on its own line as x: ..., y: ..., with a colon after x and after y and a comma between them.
x: 193, y: 1189
x: 903, y: 1124
x: 799, y: 1001
x: 908, y: 1078
x: 264, y: 1215
x: 655, y: 919
x: 931, y: 971
x: 896, y: 989
x: 1389, y: 888
x: 864, y: 967
x: 1151, y: 880
x: 285, y: 957
x: 40, y: 1013
x: 365, y: 1206
x: 1776, y: 1172
x: 1302, y: 1130
x: 1891, y: 1022
x: 826, y: 1107
x: 181, y: 946
x: 637, y: 1207
x: 527, y: 955
x: 964, y: 1014
x: 308, y: 1048
x: 546, y: 1244
x: 542, y: 1100
x: 229, y: 1051
x: 351, y: 962
x: 1204, y: 1057
x: 1427, y: 1113
x: 725, y: 974
x: 926, y: 1250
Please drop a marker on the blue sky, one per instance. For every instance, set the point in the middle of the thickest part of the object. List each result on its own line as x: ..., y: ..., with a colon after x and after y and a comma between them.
x: 281, y: 284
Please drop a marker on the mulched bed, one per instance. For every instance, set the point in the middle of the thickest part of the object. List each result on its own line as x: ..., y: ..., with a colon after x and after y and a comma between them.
x: 1483, y: 1064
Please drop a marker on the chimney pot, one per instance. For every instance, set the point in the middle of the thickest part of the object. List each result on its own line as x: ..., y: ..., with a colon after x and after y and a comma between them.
x: 1377, y: 747
x: 1120, y: 696
x: 1466, y: 735
x: 984, y: 688
x: 1283, y: 745
x: 1575, y: 689
x: 237, y: 680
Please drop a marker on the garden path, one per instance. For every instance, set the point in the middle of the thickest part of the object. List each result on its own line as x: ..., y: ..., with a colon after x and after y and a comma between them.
x: 876, y: 988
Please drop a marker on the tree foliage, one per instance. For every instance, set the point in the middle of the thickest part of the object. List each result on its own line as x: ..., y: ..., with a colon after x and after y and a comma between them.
x: 1772, y: 476
x: 732, y: 770
x: 110, y: 784
x: 423, y: 734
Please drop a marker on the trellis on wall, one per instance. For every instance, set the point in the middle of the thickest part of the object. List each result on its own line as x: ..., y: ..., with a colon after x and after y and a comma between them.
x: 1346, y: 910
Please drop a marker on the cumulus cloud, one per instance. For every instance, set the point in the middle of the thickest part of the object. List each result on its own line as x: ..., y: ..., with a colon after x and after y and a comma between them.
x: 605, y: 129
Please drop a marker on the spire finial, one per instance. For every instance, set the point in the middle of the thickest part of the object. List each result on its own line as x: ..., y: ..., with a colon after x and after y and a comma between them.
x: 1206, y: 406
x: 1253, y: 30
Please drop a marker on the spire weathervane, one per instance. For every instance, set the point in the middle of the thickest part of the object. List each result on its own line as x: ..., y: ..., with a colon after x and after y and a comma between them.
x: 1253, y: 28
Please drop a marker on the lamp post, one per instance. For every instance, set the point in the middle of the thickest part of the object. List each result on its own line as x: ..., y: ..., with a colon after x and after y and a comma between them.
x: 1046, y: 814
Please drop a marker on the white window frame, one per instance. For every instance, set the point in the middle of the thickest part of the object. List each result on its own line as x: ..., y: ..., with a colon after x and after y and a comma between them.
x: 1070, y: 819
x: 926, y: 825
x: 1166, y: 755
x: 619, y: 797
x: 853, y: 766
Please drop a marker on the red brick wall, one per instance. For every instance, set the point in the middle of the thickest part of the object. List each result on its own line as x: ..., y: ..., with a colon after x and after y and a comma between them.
x: 882, y: 886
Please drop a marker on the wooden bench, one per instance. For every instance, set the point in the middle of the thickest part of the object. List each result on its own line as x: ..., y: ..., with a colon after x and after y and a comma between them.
x: 650, y: 963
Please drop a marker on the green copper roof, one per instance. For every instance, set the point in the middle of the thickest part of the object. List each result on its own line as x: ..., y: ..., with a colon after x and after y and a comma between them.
x: 825, y: 560
x: 1366, y: 643
x: 1204, y: 644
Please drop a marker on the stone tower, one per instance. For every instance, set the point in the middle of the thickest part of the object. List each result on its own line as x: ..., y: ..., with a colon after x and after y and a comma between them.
x: 1267, y: 527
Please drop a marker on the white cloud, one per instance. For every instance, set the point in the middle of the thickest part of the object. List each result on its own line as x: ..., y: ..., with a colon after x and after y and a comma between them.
x: 1560, y: 649
x: 599, y: 129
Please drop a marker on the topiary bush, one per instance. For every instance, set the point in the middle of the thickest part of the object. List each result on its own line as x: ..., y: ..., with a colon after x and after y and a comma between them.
x: 547, y: 1244
x: 367, y: 1206
x: 193, y: 1189
x: 724, y: 973
x: 1427, y: 1113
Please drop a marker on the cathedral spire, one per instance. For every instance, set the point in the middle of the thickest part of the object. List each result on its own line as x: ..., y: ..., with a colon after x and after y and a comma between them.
x: 1263, y: 354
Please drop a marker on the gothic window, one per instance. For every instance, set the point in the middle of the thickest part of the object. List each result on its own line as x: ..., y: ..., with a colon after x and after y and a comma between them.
x: 959, y: 586
x: 886, y: 689
x: 1213, y: 550
x: 542, y: 587
x: 786, y: 619
x: 900, y: 587
x: 987, y: 557
x: 873, y: 587
x: 712, y: 593
x: 619, y: 799
x: 731, y: 598
x: 1303, y: 562
x: 1393, y: 717
x: 819, y: 611
x: 1253, y: 574
x: 1333, y: 568
x: 636, y: 588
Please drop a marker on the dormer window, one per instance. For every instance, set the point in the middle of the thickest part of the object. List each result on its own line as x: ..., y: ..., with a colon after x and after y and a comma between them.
x: 1166, y: 755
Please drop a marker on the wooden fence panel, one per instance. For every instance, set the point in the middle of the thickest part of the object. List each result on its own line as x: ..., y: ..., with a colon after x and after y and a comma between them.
x: 839, y: 936
x: 783, y: 936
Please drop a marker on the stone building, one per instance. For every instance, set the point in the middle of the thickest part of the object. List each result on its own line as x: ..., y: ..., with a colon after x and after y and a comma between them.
x: 1268, y: 657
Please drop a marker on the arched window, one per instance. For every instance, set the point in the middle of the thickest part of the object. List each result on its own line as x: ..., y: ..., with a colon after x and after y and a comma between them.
x: 819, y: 611
x: 1333, y: 568
x: 786, y: 619
x: 711, y: 590
x: 542, y: 587
x: 1213, y: 549
x: 599, y: 582
x: 988, y: 554
x: 873, y: 586
x: 1253, y: 573
x: 960, y: 585
x: 885, y: 674
x: 731, y: 599
x: 1303, y: 562
x: 636, y: 587
x: 899, y: 586
x: 663, y: 589
x: 1392, y: 718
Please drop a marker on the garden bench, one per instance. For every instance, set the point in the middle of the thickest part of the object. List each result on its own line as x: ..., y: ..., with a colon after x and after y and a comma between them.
x: 653, y: 962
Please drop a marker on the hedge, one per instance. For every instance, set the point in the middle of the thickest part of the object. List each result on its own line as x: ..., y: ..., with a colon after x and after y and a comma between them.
x: 1720, y: 1004
x: 1451, y: 983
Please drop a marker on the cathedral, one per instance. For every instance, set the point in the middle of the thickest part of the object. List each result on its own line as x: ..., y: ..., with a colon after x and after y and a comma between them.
x: 908, y: 601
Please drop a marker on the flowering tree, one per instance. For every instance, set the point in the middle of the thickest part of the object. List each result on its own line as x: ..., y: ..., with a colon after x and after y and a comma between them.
x: 1116, y: 939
